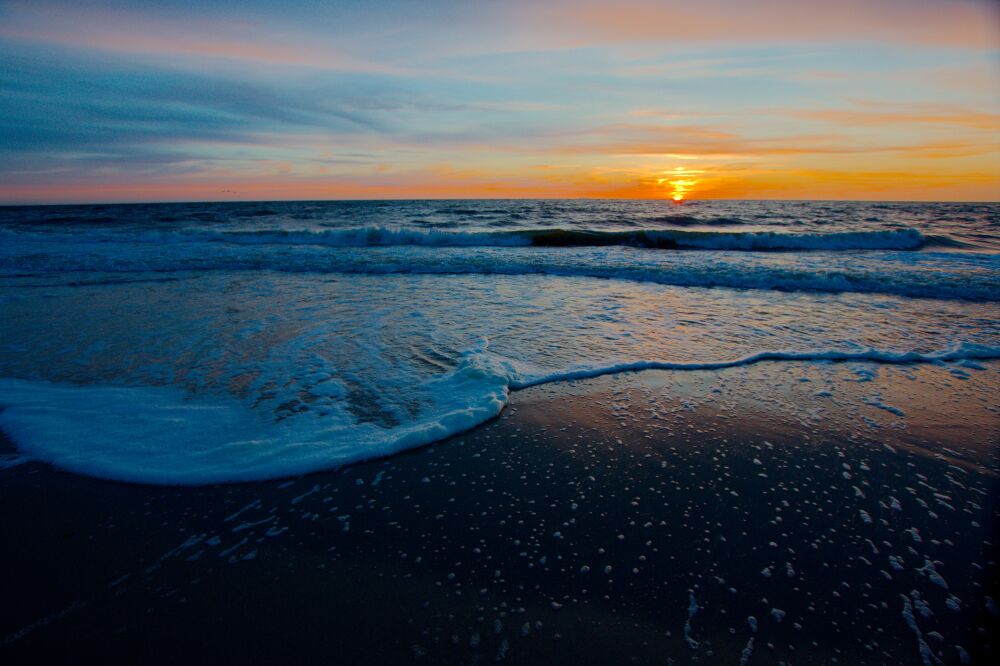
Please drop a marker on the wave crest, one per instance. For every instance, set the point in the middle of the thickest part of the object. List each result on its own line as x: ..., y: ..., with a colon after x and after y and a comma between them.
x: 674, y: 239
x: 663, y: 239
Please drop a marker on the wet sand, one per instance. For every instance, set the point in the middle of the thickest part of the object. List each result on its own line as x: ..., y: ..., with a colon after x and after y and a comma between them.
x: 782, y: 512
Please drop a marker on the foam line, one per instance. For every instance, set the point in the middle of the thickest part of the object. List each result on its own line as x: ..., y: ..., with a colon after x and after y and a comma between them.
x: 161, y: 435
x: 963, y: 352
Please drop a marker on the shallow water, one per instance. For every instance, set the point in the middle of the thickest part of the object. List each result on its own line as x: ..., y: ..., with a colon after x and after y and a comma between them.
x: 246, y: 341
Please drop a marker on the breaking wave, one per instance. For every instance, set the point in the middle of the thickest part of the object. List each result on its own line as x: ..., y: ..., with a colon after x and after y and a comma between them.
x: 664, y: 239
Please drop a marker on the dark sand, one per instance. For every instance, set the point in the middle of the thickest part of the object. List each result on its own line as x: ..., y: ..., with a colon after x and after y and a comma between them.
x: 636, y: 518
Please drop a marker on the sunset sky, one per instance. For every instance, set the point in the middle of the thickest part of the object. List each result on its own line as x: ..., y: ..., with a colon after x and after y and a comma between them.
x: 789, y: 99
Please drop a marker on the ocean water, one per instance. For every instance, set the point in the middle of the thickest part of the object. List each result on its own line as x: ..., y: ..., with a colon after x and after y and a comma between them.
x: 200, y: 343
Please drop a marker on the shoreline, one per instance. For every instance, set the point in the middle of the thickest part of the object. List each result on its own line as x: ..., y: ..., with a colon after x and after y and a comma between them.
x: 676, y: 481
x: 964, y: 357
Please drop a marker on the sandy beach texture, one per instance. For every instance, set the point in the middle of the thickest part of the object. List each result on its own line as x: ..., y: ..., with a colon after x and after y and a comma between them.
x: 782, y: 512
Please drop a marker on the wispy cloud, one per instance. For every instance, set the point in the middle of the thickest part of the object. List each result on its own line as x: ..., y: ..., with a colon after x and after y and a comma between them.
x: 876, y: 114
x: 727, y: 141
x: 157, y: 35
x: 953, y: 23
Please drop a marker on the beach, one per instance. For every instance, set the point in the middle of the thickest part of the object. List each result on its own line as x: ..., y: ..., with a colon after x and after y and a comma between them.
x: 649, y: 517
x: 565, y: 332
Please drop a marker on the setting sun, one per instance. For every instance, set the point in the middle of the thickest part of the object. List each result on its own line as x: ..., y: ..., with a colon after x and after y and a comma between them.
x: 681, y: 184
x: 681, y: 188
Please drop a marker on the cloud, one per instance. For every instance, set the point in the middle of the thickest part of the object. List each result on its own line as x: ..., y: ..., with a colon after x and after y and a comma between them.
x: 158, y: 35
x: 97, y: 108
x: 878, y: 114
x: 727, y: 141
x: 960, y: 24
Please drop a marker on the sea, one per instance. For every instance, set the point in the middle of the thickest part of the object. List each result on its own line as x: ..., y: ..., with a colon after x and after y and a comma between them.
x: 200, y: 343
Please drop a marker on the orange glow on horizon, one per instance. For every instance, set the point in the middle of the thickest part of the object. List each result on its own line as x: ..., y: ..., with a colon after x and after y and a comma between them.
x: 682, y: 184
x: 442, y: 182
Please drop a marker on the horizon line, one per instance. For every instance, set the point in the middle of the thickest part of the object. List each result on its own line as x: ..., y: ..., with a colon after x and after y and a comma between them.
x: 665, y: 200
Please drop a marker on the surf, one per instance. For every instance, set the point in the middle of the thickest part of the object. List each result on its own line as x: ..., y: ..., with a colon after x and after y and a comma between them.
x: 163, y: 435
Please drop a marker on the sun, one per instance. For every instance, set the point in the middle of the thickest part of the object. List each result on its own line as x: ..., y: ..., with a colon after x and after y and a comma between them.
x: 681, y: 187
x: 680, y: 181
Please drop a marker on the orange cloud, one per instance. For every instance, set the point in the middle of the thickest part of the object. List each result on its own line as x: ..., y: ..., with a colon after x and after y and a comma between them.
x: 953, y: 24
x: 544, y: 181
x: 714, y: 141
x: 898, y: 114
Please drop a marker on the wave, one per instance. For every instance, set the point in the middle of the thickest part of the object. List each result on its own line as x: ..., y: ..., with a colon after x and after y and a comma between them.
x: 963, y: 352
x: 902, y: 239
x: 163, y: 435
x: 695, y: 221
x: 673, y: 239
x: 941, y: 240
x: 916, y: 275
x: 662, y: 239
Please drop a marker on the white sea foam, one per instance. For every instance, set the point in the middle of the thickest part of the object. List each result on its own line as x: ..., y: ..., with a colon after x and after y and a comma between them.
x: 163, y: 435
x: 963, y: 351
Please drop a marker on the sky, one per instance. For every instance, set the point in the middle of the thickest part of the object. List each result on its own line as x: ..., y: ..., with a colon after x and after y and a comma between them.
x: 184, y: 100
